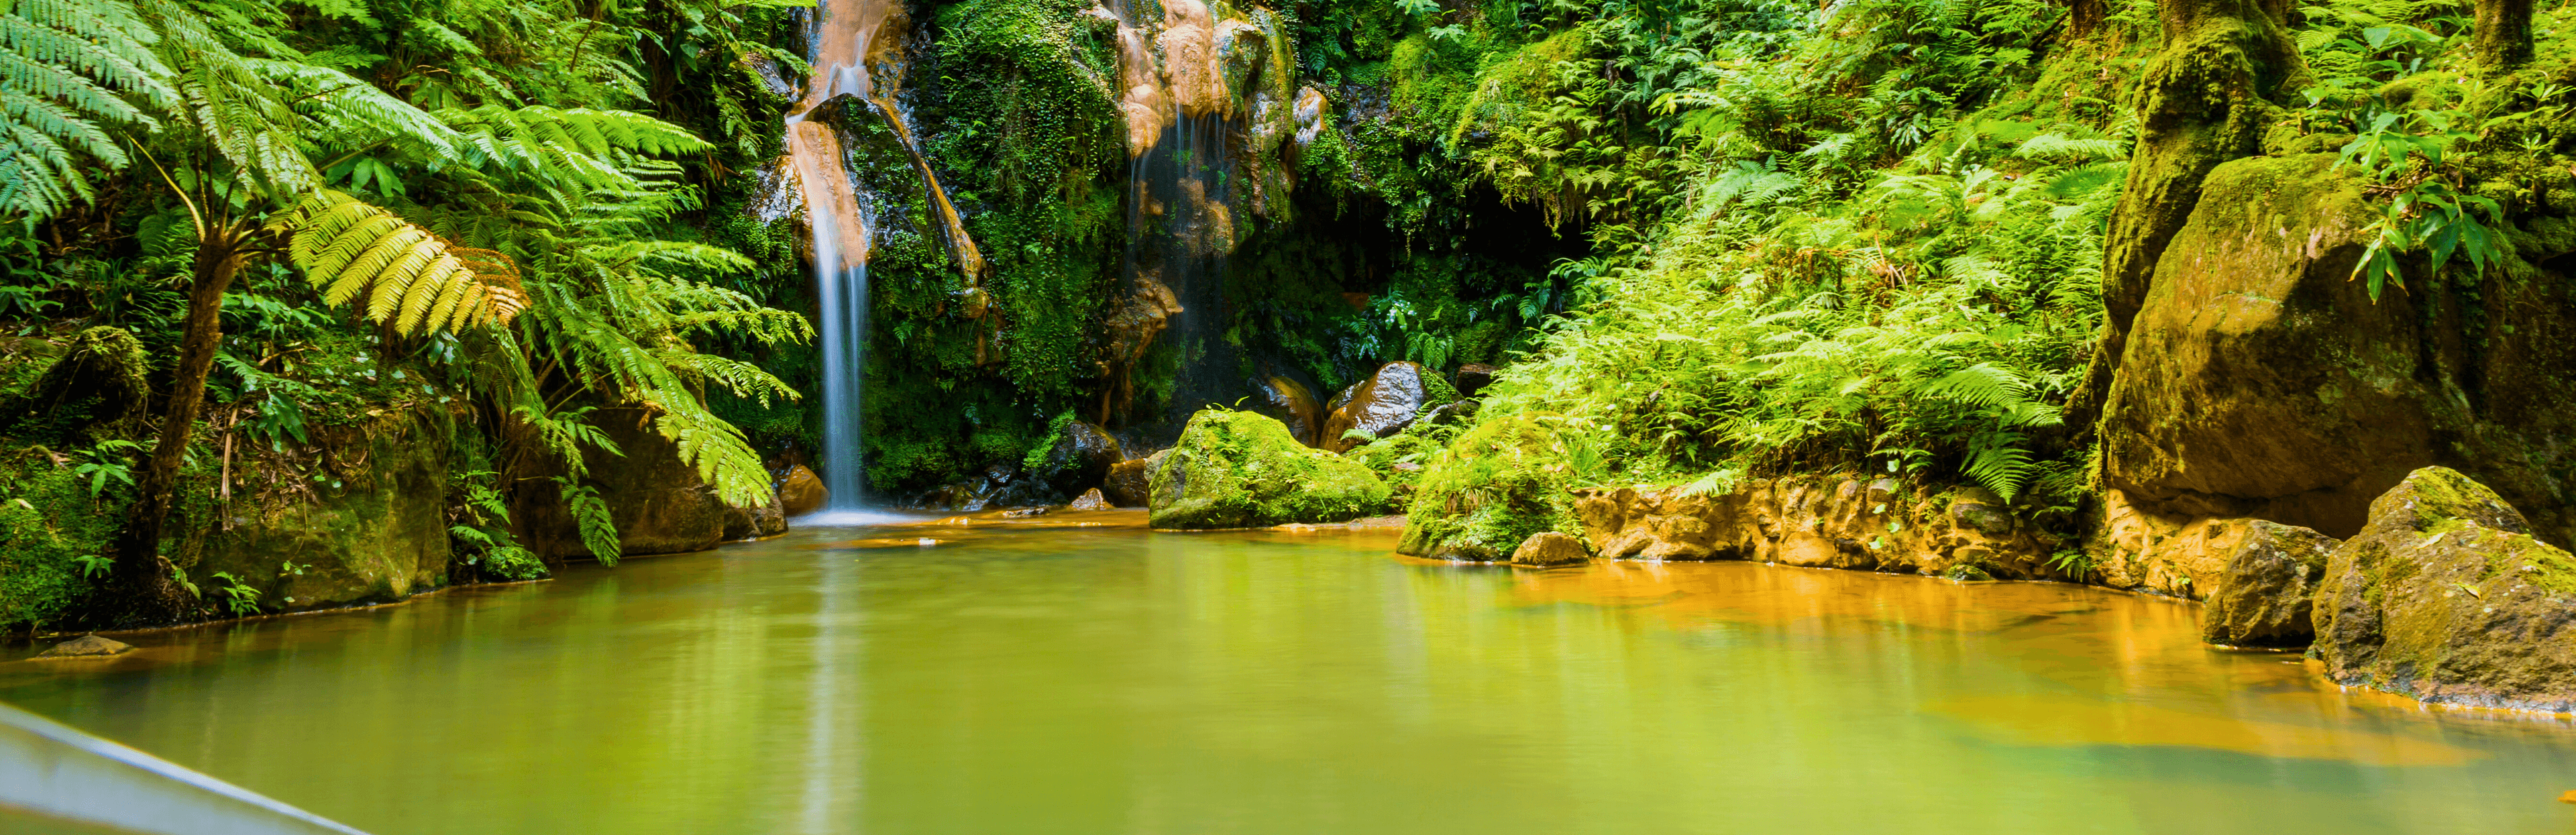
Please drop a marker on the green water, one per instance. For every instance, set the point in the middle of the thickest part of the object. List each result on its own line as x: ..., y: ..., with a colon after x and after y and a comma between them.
x: 1060, y: 679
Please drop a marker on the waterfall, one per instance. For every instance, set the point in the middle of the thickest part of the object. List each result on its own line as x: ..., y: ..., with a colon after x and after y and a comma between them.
x: 1180, y: 176
x: 844, y: 32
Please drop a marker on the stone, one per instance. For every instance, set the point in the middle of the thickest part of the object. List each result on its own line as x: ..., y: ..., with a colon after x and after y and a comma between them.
x: 376, y: 534
x: 2446, y: 597
x: 1549, y: 548
x: 1291, y: 403
x: 657, y: 501
x: 1235, y: 469
x: 1079, y: 460
x: 758, y: 521
x: 1091, y: 499
x: 2262, y: 597
x: 1978, y: 508
x: 87, y: 646
x: 998, y: 486
x: 802, y: 492
x: 1474, y: 377
x: 1128, y: 484
x: 1816, y: 521
x: 1381, y: 405
x: 2259, y: 380
x: 1027, y: 512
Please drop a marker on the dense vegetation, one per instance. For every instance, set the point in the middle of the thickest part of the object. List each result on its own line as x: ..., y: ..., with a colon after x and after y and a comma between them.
x: 1709, y: 240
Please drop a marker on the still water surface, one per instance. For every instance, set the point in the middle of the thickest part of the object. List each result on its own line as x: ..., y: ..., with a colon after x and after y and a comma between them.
x: 1097, y: 678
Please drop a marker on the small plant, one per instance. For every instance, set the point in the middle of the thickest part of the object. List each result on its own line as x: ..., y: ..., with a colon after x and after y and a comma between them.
x: 94, y: 566
x: 105, y: 463
x: 2071, y: 562
x: 238, y: 596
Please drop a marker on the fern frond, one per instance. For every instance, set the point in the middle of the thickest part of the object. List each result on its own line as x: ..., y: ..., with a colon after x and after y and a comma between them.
x: 66, y: 70
x: 411, y: 277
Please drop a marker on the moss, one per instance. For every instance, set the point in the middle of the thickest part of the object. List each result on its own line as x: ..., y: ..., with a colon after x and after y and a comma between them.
x: 1242, y: 469
x: 49, y: 522
x: 1492, y: 487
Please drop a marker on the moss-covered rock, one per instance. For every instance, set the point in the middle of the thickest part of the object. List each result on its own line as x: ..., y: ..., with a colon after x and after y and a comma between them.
x: 1491, y: 489
x: 2261, y: 381
x: 2446, y: 597
x: 358, y: 516
x: 1241, y: 469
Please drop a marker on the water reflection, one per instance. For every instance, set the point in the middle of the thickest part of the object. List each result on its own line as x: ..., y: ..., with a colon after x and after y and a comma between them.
x: 1076, y: 673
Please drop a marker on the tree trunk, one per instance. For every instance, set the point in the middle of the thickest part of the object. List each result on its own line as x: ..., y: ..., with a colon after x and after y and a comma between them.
x: 2206, y: 99
x: 2504, y: 33
x: 142, y: 577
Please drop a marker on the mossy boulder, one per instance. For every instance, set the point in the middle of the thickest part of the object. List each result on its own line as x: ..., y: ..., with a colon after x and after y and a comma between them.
x: 658, y: 502
x: 2260, y: 380
x: 2446, y: 597
x: 358, y: 516
x: 1488, y: 491
x: 1242, y: 470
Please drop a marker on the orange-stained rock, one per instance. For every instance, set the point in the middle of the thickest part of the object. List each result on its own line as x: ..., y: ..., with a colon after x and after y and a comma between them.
x: 1549, y: 548
x: 802, y: 492
x: 1291, y: 403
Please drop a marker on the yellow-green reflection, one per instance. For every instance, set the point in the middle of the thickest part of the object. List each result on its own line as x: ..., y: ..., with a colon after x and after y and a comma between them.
x: 1079, y: 674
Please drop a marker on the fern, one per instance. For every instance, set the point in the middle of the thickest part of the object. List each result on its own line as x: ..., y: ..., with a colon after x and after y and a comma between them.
x: 410, y: 277
x: 67, y: 68
x: 591, y: 516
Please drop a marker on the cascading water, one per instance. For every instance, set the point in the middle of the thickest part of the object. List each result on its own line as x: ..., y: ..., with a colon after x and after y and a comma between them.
x: 1180, y: 225
x: 843, y: 37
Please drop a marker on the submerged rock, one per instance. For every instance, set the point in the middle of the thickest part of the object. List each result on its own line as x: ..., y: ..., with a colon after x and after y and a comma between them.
x: 2262, y: 596
x: 1548, y: 548
x: 802, y: 492
x: 2445, y: 596
x: 1381, y: 405
x: 1244, y: 470
x: 87, y: 646
x: 1080, y: 459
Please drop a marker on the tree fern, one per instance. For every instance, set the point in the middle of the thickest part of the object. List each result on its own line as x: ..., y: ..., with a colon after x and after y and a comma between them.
x: 67, y: 68
x: 409, y: 277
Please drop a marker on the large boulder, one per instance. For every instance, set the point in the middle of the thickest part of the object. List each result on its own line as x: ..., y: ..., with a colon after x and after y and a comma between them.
x: 1241, y: 470
x: 658, y: 502
x: 1382, y: 405
x: 368, y: 533
x: 2262, y: 595
x: 1079, y: 460
x: 1130, y: 483
x: 802, y: 492
x: 2446, y: 597
x: 2260, y: 380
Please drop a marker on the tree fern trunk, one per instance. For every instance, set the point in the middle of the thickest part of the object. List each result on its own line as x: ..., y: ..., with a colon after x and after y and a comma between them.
x: 2504, y: 33
x: 144, y: 586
